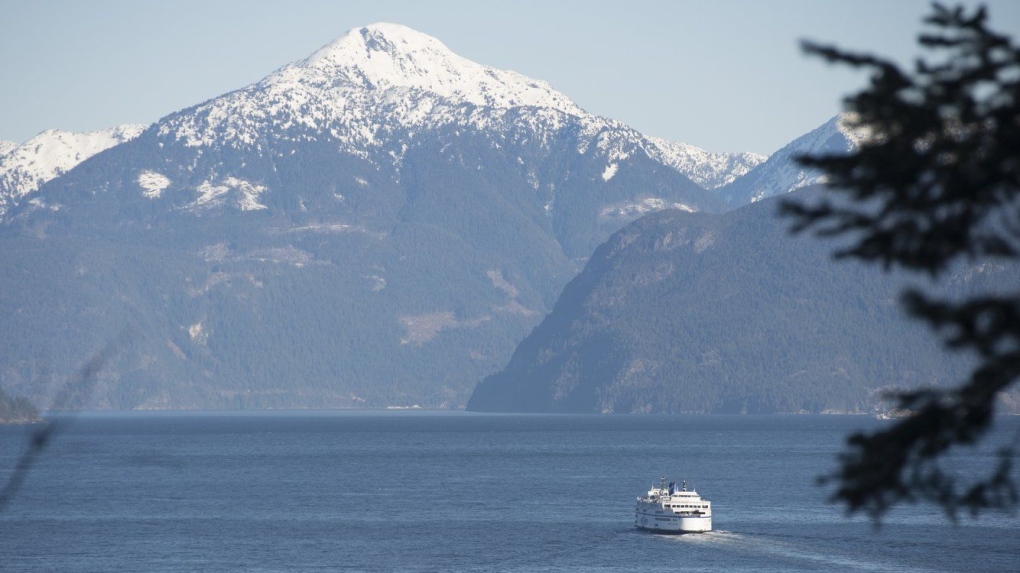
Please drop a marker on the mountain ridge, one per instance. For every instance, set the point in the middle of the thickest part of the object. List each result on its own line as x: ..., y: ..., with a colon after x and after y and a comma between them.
x: 319, y: 241
x: 700, y: 313
x: 25, y: 167
x: 385, y: 88
x: 369, y: 237
x: 328, y: 87
x: 780, y: 174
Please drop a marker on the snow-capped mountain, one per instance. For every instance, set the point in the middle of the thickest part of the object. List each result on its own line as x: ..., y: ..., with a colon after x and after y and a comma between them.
x: 710, y: 170
x: 360, y: 85
x: 23, y: 168
x: 781, y: 174
x: 6, y: 147
x: 386, y: 81
x: 377, y: 224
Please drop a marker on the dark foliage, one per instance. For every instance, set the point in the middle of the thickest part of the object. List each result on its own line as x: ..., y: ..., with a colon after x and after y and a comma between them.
x: 16, y: 409
x: 936, y: 181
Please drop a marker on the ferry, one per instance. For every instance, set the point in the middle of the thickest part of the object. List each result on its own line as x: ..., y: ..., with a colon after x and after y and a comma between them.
x: 669, y: 508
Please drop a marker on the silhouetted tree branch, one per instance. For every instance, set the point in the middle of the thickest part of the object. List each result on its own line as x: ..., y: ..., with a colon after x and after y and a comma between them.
x: 77, y: 388
x: 935, y: 180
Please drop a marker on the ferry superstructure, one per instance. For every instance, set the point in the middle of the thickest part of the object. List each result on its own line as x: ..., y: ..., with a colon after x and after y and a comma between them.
x: 669, y: 508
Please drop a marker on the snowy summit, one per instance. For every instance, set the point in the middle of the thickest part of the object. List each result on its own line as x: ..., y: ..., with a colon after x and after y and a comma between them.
x: 782, y: 174
x: 366, y: 81
x: 24, y: 168
x: 378, y: 80
x: 386, y: 56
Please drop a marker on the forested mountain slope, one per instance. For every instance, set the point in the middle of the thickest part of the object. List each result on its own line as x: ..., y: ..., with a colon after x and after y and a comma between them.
x: 375, y: 225
x: 694, y: 312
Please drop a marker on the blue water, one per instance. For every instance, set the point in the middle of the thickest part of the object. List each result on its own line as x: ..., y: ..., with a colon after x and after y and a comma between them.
x: 421, y: 491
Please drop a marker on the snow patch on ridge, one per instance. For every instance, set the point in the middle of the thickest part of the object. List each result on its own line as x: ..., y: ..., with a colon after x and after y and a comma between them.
x: 248, y: 194
x: 645, y: 206
x: 610, y: 171
x: 618, y: 143
x: 153, y: 184
x: 238, y: 193
x: 197, y: 334
x: 710, y: 170
x: 209, y: 194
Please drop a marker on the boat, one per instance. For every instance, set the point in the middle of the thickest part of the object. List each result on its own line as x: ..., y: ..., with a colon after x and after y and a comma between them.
x: 669, y: 508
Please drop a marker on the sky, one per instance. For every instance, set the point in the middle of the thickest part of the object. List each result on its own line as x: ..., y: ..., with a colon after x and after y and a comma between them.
x: 725, y: 75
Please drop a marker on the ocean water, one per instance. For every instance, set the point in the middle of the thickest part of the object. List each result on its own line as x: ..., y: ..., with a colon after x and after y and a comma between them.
x: 426, y: 491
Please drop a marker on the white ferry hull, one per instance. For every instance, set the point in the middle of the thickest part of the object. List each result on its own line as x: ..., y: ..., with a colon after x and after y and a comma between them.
x: 672, y: 523
x: 673, y: 509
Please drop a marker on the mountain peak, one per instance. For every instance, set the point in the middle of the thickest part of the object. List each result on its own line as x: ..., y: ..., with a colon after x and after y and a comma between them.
x: 381, y: 78
x: 384, y: 56
x: 25, y: 167
x: 846, y: 124
x: 781, y: 173
x: 379, y: 43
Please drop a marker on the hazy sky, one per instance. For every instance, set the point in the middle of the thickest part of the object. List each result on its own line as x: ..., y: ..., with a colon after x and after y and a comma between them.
x: 725, y: 75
